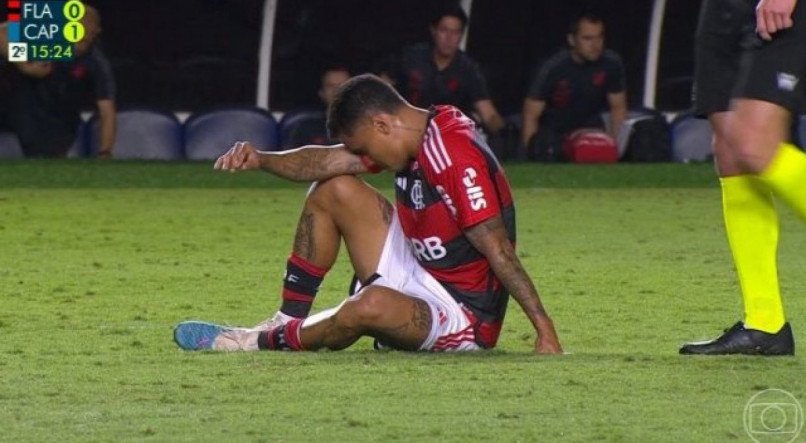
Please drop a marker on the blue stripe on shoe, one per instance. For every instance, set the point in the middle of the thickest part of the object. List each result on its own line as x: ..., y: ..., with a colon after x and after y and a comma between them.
x: 196, y: 335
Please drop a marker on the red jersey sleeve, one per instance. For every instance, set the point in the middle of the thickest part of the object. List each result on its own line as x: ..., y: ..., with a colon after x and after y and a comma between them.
x: 467, y: 181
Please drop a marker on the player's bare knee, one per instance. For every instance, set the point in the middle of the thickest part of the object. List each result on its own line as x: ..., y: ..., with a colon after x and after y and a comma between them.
x: 752, y: 143
x: 747, y: 153
x: 725, y: 158
x: 339, y: 189
x: 367, y: 308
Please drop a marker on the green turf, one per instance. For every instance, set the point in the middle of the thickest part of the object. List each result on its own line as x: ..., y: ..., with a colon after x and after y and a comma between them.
x: 94, y: 174
x: 99, y: 260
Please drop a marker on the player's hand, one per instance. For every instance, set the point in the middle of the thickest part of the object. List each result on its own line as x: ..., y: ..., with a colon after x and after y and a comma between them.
x: 773, y: 16
x: 241, y: 156
x: 547, y: 341
x: 548, y: 344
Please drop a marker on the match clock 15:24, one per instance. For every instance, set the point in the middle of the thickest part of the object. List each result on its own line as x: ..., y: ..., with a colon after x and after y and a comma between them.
x: 60, y: 51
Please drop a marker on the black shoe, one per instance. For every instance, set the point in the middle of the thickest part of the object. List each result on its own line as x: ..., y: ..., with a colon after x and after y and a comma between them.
x: 738, y: 340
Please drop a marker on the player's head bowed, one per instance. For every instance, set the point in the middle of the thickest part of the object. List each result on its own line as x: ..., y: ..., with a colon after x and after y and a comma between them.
x: 360, y: 98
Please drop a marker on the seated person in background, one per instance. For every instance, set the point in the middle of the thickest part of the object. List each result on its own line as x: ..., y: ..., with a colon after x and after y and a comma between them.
x: 572, y: 89
x: 439, y: 72
x: 45, y: 101
x: 5, y: 84
x: 313, y: 129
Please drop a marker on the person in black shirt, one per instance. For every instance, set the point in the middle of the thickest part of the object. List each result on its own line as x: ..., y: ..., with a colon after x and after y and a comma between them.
x: 312, y: 128
x: 44, y: 104
x: 440, y: 73
x: 6, y: 72
x: 572, y: 89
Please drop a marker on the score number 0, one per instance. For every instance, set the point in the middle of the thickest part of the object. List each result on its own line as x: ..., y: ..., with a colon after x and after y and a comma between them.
x: 74, y: 11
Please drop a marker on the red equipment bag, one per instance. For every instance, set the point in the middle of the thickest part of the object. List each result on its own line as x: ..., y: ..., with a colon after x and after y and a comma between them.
x: 590, y: 146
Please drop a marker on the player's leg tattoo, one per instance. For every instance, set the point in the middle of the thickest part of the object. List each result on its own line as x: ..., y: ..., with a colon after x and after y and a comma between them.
x: 421, y: 317
x: 405, y: 334
x: 303, y: 240
x: 392, y: 330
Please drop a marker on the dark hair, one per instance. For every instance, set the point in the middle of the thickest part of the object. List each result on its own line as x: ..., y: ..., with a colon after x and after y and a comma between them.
x: 453, y: 10
x: 587, y: 17
x: 335, y: 68
x: 361, y: 96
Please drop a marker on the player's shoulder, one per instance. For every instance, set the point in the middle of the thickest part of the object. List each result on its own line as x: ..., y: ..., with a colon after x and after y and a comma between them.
x: 465, y: 61
x: 612, y: 57
x: 448, y: 119
x: 417, y: 51
x: 556, y: 65
x: 95, y: 59
x: 559, y: 59
x: 449, y: 139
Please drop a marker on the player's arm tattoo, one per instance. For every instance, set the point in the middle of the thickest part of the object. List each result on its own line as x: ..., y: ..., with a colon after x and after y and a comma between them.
x: 311, y: 163
x: 304, y: 245
x: 490, y: 238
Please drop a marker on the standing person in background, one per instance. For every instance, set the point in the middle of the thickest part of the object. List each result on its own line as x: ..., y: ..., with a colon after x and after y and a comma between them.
x: 440, y: 73
x: 749, y: 75
x: 312, y: 130
x: 45, y: 102
x: 572, y: 90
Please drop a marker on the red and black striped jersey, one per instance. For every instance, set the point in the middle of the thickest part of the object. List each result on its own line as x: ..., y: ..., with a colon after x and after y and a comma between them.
x: 455, y: 183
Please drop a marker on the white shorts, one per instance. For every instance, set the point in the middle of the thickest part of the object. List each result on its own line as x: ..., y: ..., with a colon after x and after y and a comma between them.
x: 399, y: 270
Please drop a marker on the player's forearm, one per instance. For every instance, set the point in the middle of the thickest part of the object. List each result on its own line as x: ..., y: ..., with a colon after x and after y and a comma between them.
x: 107, y: 127
x: 495, y: 123
x: 532, y: 110
x: 509, y: 270
x: 617, y: 117
x: 617, y: 102
x: 311, y: 163
x: 528, y: 131
x: 489, y: 237
x: 107, y: 136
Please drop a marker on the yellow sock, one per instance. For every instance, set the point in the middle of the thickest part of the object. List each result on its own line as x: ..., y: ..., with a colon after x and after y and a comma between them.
x: 751, y: 223
x: 786, y: 176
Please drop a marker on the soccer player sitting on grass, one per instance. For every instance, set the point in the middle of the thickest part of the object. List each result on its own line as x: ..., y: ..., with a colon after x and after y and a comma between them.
x: 435, y: 271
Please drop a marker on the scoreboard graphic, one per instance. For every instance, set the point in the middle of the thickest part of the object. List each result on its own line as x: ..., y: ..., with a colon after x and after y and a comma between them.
x: 44, y: 30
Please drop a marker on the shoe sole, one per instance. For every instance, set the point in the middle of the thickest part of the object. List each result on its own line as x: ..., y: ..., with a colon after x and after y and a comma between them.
x: 197, y: 335
x: 749, y: 352
x: 780, y: 344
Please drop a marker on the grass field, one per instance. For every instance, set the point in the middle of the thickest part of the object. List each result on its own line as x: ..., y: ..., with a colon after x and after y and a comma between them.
x: 98, y: 261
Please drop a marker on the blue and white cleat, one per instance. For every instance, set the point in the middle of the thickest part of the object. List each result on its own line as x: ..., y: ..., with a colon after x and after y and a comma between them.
x: 200, y: 335
x: 197, y: 335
